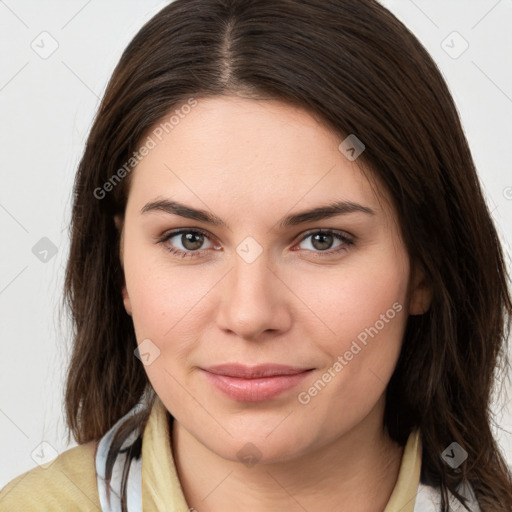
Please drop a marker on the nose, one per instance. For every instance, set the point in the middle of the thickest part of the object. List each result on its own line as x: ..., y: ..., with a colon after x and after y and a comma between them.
x: 254, y: 300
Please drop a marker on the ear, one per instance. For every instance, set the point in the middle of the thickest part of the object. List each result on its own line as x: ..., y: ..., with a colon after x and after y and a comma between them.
x: 420, y: 292
x: 119, y: 222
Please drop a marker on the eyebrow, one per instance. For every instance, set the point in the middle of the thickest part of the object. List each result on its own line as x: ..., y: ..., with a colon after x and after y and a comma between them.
x: 314, y: 214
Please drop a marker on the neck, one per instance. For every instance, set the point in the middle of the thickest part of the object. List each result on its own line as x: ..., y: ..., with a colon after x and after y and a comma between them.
x: 356, y: 473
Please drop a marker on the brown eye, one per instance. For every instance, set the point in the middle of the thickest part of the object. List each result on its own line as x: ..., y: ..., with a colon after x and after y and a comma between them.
x: 186, y: 242
x: 191, y: 241
x: 322, y: 241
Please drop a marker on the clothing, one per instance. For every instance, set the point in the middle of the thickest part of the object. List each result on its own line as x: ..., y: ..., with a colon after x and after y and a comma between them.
x: 75, y: 479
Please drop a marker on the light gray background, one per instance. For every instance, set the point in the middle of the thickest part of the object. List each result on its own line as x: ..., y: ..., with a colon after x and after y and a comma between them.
x: 47, y: 106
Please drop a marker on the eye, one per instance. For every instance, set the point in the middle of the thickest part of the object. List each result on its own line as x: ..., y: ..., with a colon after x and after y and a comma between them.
x: 322, y: 240
x: 190, y: 239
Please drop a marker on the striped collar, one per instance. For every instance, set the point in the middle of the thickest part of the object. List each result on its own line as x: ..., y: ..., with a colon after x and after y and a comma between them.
x: 148, y: 483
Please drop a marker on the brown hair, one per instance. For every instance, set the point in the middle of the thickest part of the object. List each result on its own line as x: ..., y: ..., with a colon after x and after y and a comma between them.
x: 361, y: 71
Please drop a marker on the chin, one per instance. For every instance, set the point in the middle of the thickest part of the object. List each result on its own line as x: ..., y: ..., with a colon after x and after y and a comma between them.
x: 252, y: 446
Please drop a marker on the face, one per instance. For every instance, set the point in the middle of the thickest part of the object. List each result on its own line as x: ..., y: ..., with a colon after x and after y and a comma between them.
x: 327, y: 296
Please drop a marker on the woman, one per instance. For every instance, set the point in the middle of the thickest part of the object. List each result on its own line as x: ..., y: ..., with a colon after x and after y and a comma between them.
x: 286, y: 285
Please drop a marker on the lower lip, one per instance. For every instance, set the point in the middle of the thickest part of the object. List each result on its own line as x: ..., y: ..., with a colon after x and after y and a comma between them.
x: 255, y: 390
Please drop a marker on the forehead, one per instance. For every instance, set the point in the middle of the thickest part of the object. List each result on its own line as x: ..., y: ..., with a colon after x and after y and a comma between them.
x: 250, y: 154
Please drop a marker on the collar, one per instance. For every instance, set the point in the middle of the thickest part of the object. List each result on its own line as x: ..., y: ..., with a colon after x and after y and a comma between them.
x: 156, y: 484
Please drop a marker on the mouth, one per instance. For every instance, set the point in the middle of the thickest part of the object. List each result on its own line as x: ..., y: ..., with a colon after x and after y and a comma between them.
x: 254, y: 383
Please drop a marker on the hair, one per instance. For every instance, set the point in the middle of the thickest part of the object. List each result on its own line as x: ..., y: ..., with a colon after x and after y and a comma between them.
x: 355, y: 66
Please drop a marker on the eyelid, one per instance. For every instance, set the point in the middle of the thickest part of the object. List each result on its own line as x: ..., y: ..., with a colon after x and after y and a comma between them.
x: 328, y: 231
x: 178, y: 231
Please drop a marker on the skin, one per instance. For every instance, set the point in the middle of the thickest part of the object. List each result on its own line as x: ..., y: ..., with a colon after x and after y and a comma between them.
x: 251, y: 163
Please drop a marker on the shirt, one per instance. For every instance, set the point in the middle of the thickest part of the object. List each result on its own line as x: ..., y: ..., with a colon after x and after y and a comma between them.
x: 71, y: 481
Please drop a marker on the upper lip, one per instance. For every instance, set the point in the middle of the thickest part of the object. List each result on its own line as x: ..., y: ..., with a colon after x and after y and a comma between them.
x: 254, y: 372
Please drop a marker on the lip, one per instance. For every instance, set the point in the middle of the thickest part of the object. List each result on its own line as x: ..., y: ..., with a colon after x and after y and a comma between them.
x: 254, y: 383
x: 254, y: 372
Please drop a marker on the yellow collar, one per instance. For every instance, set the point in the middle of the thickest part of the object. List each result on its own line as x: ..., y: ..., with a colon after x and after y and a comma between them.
x: 161, y: 487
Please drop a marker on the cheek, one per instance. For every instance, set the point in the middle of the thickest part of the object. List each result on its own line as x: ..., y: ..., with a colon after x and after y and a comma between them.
x: 166, y: 300
x: 162, y: 291
x: 364, y: 308
x: 352, y: 296
x: 168, y: 310
x: 169, y: 307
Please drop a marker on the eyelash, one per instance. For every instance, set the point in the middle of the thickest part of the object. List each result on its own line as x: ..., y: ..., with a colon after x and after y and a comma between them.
x: 347, y: 241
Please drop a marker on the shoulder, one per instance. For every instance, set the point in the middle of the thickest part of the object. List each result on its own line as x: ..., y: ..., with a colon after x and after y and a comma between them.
x: 68, y: 481
x: 428, y: 499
